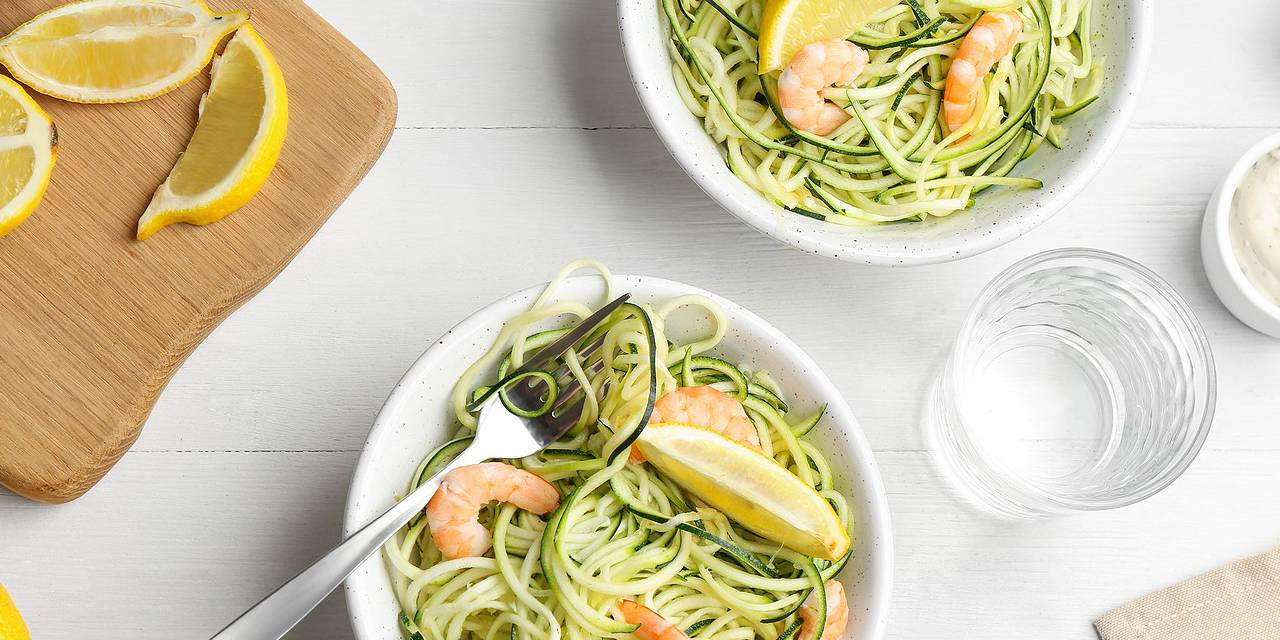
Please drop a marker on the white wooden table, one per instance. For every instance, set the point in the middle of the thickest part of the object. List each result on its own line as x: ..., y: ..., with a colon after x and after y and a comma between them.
x: 521, y: 146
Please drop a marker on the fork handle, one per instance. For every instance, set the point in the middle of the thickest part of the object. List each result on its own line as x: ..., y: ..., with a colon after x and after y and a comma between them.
x: 276, y: 614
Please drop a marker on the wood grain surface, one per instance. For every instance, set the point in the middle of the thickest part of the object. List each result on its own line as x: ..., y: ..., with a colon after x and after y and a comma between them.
x: 93, y: 323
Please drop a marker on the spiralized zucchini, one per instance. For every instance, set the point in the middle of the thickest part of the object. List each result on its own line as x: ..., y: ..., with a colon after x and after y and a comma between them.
x: 892, y: 160
x: 622, y: 530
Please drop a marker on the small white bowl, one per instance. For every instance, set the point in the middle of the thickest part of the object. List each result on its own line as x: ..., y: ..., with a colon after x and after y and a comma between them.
x: 1225, y: 275
x: 1000, y: 215
x: 417, y: 418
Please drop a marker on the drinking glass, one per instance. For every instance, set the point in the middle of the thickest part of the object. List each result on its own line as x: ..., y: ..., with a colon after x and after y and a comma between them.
x: 1080, y: 381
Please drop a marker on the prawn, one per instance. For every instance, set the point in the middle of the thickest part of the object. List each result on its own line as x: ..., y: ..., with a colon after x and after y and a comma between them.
x: 817, y: 66
x: 837, y: 614
x: 652, y: 625
x: 453, y: 513
x: 992, y: 38
x: 705, y: 407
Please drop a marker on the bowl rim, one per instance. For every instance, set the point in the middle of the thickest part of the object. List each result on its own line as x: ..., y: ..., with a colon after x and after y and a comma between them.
x: 1220, y: 210
x: 861, y: 464
x: 764, y: 216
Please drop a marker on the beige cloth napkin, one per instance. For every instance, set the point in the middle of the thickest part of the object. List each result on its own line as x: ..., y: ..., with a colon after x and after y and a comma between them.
x: 1240, y: 601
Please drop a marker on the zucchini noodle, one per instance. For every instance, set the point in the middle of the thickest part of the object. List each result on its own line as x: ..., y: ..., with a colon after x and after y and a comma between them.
x: 622, y: 530
x: 891, y: 161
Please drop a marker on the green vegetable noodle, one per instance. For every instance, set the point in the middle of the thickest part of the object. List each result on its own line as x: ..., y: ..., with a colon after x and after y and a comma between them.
x: 895, y: 158
x: 622, y: 530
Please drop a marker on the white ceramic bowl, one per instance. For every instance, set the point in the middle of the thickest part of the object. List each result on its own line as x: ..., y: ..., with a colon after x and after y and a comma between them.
x: 1000, y: 215
x: 416, y: 418
x: 1225, y: 275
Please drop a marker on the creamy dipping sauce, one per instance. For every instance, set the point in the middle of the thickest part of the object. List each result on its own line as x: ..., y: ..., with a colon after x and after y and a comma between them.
x: 1255, y: 226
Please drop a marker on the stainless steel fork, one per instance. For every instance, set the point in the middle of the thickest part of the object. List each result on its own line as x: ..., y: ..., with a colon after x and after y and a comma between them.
x: 499, y: 434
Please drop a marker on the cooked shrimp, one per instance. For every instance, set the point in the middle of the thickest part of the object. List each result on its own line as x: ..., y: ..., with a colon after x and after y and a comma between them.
x: 453, y: 513
x: 817, y: 66
x: 990, y: 39
x: 652, y: 625
x: 837, y: 614
x: 705, y: 407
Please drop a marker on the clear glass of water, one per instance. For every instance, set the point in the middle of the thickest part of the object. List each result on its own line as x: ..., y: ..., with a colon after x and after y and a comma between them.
x: 1080, y: 381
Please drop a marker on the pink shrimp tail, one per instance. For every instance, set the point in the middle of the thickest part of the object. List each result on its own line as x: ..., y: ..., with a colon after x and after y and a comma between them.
x: 837, y: 615
x: 454, y: 511
x: 815, y: 67
x: 992, y: 37
x: 652, y: 625
x: 705, y: 407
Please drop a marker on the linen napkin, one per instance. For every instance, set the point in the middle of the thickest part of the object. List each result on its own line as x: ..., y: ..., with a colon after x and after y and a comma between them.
x: 1240, y: 601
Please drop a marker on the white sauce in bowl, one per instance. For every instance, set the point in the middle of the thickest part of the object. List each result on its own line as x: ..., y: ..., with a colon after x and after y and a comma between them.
x: 1255, y: 226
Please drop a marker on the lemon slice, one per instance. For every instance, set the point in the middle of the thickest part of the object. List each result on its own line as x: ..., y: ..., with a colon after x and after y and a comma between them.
x: 11, y: 625
x: 116, y: 50
x: 236, y: 143
x: 748, y: 487
x: 788, y: 25
x: 28, y: 148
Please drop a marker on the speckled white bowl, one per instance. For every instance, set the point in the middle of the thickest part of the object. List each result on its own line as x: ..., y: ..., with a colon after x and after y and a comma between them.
x: 1000, y: 215
x: 1220, y: 264
x: 416, y: 418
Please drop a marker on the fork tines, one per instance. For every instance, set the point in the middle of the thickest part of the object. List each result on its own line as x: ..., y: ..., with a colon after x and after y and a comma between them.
x: 533, y: 392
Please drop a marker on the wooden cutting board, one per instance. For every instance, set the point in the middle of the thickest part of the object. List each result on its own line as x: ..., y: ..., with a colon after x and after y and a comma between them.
x: 93, y: 323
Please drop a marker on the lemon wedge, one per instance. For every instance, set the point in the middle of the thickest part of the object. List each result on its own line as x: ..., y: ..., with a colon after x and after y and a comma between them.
x: 748, y: 487
x: 237, y: 141
x: 788, y: 25
x: 28, y: 149
x: 116, y: 50
x: 11, y: 625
